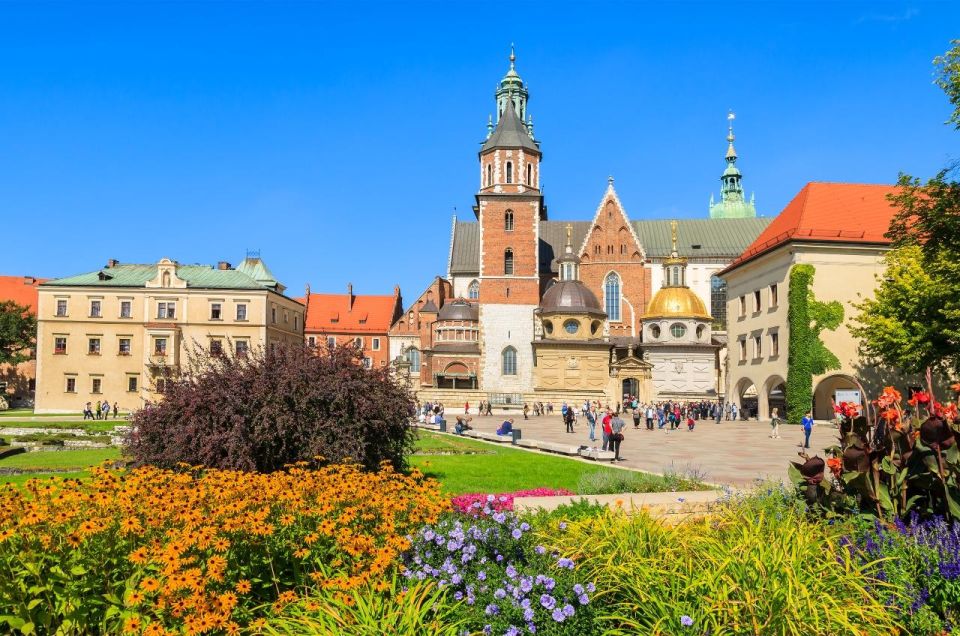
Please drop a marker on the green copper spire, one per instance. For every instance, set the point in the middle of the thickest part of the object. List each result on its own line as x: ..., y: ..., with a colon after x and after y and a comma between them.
x: 512, y: 90
x: 732, y: 203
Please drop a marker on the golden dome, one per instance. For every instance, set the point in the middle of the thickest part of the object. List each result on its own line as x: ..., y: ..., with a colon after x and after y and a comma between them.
x: 676, y: 302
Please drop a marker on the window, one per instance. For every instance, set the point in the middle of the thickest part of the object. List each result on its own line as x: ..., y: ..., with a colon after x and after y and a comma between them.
x: 530, y: 174
x: 774, y: 296
x: 96, y: 384
x: 331, y: 342
x: 95, y: 306
x: 509, y: 172
x: 743, y: 350
x: 509, y: 360
x: 124, y: 349
x: 473, y: 291
x: 678, y: 330
x: 286, y: 317
x: 242, y: 347
x: 376, y: 344
x: 241, y: 311
x: 489, y: 175
x: 216, y: 311
x: 296, y: 322
x: 718, y: 301
x: 216, y: 347
x: 161, y: 384
x: 774, y: 344
x: 93, y: 347
x: 654, y: 331
x: 571, y: 326
x: 126, y: 309
x: 60, y: 345
x: 413, y: 357
x: 756, y: 301
x: 358, y: 343
x: 611, y: 294
x: 312, y: 341
x: 367, y: 363
x: 159, y: 346
x: 132, y: 383
x: 757, y: 347
x: 508, y: 221
x: 273, y: 314
x: 743, y: 306
x: 61, y: 307
x: 596, y: 249
x: 167, y: 310
x: 508, y: 262
x: 71, y: 385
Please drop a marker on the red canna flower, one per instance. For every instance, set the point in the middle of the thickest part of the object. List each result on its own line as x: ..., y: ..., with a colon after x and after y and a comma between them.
x: 888, y: 397
x: 835, y: 464
x: 920, y: 397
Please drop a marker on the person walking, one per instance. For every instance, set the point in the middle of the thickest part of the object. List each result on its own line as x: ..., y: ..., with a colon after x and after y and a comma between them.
x: 99, y: 409
x: 775, y: 424
x: 466, y: 408
x: 807, y: 423
x: 606, y: 429
x: 526, y: 411
x: 616, y: 436
x: 568, y: 419
x: 116, y: 410
x: 636, y: 418
x: 592, y: 424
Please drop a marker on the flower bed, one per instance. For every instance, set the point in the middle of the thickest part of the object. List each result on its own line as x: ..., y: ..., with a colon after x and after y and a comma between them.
x: 198, y: 551
x: 477, y: 503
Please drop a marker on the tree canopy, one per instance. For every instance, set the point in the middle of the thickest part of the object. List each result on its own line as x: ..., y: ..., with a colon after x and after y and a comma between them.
x: 18, y: 329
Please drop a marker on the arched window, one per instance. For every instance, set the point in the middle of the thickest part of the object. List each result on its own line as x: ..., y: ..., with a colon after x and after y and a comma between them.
x: 508, y: 262
x: 473, y: 291
x: 508, y: 221
x: 509, y: 172
x: 489, y: 174
x: 509, y: 360
x: 611, y: 292
x: 529, y: 174
x: 413, y: 357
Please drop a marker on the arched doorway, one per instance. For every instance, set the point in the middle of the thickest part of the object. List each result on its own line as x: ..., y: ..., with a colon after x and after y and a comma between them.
x: 834, y: 389
x: 775, y: 397
x: 631, y: 388
x: 747, y: 398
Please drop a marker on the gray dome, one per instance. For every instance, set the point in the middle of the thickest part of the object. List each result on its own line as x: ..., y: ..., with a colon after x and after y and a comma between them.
x: 459, y: 310
x: 572, y: 297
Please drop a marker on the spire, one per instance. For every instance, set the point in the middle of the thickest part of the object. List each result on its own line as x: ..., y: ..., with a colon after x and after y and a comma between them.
x: 673, y: 239
x: 732, y: 204
x: 731, y: 153
x: 675, y: 267
x: 510, y: 132
x: 511, y: 90
x: 569, y: 263
x: 513, y: 56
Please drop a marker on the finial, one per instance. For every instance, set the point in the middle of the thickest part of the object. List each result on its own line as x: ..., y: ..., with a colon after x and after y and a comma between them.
x: 513, y: 55
x: 489, y: 126
x: 730, y: 117
x: 569, y: 234
x: 673, y: 235
x: 610, y: 181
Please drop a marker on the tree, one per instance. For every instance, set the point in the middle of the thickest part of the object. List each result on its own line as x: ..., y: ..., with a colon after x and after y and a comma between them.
x: 275, y: 407
x: 18, y: 329
x: 807, y: 356
x: 948, y: 78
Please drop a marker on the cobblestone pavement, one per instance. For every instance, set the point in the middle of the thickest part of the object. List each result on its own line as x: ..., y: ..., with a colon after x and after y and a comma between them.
x: 734, y: 453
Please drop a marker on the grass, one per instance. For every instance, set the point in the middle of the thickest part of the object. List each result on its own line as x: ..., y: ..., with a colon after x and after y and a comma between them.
x: 59, y: 460
x: 28, y: 413
x: 503, y: 469
x: 90, y: 426
x: 19, y: 480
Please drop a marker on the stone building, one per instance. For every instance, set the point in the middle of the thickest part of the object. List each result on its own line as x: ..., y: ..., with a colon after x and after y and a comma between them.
x: 17, y: 382
x: 507, y: 266
x: 114, y: 333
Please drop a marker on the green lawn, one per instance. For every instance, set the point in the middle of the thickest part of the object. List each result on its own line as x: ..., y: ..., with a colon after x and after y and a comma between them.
x: 28, y: 413
x: 500, y: 469
x: 91, y: 426
x: 20, y: 480
x: 60, y: 460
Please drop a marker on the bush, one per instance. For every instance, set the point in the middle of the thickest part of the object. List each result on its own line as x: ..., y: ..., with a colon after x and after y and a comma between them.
x: 612, y: 482
x: 507, y: 583
x: 753, y: 567
x: 475, y: 503
x: 273, y: 408
x: 197, y: 551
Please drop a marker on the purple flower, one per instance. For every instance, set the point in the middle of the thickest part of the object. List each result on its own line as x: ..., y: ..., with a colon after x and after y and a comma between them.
x: 540, y: 549
x: 528, y: 614
x: 500, y: 594
x: 458, y: 596
x: 686, y: 621
x: 491, y: 610
x: 512, y: 631
x: 511, y: 571
x: 526, y: 584
x: 487, y: 629
x: 499, y: 558
x: 568, y: 610
x: 591, y: 588
x: 583, y: 599
x: 525, y: 526
x: 563, y: 525
x: 565, y: 563
x: 578, y: 589
x: 428, y: 534
x: 481, y: 576
x: 548, y: 601
x: 549, y: 583
x: 558, y: 616
x: 516, y: 534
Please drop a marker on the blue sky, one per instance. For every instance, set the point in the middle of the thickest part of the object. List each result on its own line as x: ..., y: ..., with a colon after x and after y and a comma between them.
x: 338, y: 138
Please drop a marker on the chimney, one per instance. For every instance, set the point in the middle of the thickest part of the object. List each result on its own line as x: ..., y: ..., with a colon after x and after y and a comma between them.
x: 29, y: 280
x: 112, y: 262
x: 224, y: 265
x: 349, y: 296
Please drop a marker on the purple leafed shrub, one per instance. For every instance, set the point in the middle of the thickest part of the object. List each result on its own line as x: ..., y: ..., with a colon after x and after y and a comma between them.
x: 275, y: 407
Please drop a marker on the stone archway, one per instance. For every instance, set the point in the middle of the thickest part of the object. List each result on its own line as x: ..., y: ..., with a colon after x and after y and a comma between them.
x: 745, y: 397
x: 774, y: 396
x: 826, y: 391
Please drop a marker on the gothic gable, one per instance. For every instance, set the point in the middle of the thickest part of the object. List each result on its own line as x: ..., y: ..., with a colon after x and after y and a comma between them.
x: 611, y: 237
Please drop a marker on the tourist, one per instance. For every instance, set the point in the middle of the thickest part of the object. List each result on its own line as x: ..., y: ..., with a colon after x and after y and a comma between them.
x: 775, y: 424
x: 690, y: 422
x: 106, y: 409
x: 807, y: 423
x: 733, y: 412
x: 489, y: 408
x: 649, y: 415
x: 87, y: 411
x: 116, y: 410
x: 568, y: 419
x: 526, y: 411
x: 463, y: 424
x: 99, y: 410
x: 592, y: 424
x: 616, y: 437
x: 717, y: 412
x: 466, y: 408
x: 605, y: 429
x: 506, y: 428
x: 636, y: 417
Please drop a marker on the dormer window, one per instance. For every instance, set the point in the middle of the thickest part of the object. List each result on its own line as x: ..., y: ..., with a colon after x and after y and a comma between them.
x: 508, y: 221
x: 509, y: 172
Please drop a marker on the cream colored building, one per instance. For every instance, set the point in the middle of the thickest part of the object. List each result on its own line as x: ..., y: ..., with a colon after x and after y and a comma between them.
x: 113, y: 334
x: 838, y: 229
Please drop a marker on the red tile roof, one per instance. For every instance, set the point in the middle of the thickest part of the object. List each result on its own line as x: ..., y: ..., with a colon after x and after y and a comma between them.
x: 21, y: 290
x: 332, y: 313
x: 827, y: 213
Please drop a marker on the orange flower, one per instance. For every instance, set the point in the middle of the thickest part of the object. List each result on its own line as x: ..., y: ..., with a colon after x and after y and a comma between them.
x: 150, y: 584
x: 956, y: 387
x: 139, y: 556
x: 242, y: 587
x: 132, y: 625
x: 835, y: 464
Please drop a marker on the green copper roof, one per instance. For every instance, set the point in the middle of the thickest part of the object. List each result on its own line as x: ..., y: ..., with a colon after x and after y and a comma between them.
x: 137, y: 275
x: 732, y: 204
x: 510, y: 133
x: 258, y: 271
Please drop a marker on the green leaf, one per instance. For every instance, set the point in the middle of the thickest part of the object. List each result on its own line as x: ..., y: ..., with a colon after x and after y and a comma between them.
x: 78, y: 570
x: 33, y: 603
x: 28, y: 628
x: 13, y: 621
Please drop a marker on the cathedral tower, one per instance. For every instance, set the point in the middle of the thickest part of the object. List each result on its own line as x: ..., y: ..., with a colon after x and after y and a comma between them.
x: 732, y: 203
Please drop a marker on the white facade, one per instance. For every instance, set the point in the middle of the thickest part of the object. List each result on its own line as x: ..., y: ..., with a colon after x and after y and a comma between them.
x: 503, y: 326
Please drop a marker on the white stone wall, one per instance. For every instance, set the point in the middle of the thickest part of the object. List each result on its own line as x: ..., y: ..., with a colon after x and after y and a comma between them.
x: 461, y: 285
x: 682, y: 370
x: 398, y: 343
x: 502, y: 326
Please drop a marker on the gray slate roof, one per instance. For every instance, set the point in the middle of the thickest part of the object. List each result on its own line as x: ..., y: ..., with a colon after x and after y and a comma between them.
x: 721, y: 239
x: 510, y: 133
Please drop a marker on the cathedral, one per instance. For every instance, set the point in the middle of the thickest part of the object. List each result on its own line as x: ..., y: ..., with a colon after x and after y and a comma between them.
x: 538, y: 310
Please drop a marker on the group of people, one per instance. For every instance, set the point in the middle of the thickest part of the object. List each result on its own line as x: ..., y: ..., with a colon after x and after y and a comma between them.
x: 100, y: 410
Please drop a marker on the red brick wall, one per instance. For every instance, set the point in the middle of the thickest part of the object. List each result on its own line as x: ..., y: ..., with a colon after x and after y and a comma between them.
x: 611, y: 247
x: 522, y: 240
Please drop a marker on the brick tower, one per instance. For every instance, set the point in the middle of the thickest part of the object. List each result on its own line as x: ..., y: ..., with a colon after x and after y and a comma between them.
x: 509, y: 210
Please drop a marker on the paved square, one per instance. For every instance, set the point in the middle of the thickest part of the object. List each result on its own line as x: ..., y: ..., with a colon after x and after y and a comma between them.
x: 734, y: 453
